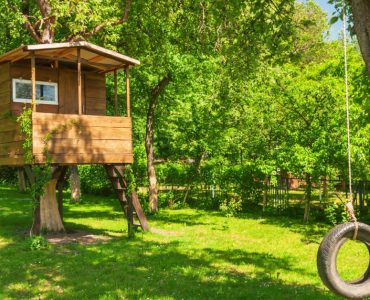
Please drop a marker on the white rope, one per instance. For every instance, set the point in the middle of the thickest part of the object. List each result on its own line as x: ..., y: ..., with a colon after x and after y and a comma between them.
x: 347, y: 103
x: 349, y: 205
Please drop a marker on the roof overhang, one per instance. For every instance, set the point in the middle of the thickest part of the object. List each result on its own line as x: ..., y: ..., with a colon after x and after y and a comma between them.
x: 92, y: 55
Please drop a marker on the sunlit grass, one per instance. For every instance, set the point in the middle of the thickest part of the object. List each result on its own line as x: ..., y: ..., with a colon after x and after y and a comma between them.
x: 353, y: 260
x: 194, y: 254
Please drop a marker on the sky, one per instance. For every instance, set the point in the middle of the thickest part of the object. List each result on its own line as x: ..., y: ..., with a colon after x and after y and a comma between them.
x: 329, y: 9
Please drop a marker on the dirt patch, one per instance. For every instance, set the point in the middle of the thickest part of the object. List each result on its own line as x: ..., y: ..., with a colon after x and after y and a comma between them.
x: 79, y: 237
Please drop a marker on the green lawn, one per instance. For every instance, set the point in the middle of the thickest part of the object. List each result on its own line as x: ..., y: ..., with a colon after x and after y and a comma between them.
x: 194, y: 255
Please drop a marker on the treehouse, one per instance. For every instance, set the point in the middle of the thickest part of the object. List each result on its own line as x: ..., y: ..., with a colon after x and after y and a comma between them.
x: 64, y: 85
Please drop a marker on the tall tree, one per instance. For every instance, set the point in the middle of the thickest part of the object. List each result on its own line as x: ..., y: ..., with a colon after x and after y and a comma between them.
x: 361, y: 26
x: 358, y: 12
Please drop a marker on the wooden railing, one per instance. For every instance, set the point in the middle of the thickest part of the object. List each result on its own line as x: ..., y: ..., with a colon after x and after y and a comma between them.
x: 72, y: 139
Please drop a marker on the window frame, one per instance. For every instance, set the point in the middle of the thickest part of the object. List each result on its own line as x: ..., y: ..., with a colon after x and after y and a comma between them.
x: 38, y: 101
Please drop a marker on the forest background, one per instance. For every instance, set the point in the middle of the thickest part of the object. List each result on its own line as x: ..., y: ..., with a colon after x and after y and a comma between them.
x: 232, y: 100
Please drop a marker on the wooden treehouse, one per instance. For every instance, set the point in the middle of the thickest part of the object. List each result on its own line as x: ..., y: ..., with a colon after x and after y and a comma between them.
x: 64, y: 85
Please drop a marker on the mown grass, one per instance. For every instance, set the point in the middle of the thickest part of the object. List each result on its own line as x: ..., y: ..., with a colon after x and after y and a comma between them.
x: 195, y: 254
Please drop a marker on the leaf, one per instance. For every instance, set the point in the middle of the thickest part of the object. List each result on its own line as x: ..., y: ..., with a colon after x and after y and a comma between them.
x: 333, y: 19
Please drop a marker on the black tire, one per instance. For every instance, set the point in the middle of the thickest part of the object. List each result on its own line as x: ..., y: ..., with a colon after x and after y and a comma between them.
x: 327, y: 261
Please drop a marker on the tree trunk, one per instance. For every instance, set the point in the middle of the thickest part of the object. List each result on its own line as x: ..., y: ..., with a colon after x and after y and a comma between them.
x: 361, y: 22
x: 149, y: 147
x: 21, y: 181
x: 46, y: 215
x: 50, y: 219
x: 308, y: 194
x: 47, y: 33
x: 265, y: 192
x: 74, y: 180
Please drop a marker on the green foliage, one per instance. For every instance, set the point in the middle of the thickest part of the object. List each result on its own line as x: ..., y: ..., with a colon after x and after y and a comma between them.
x: 232, y: 207
x: 25, y: 122
x: 42, y: 173
x: 335, y: 214
x: 94, y: 180
x: 38, y: 243
x: 8, y: 175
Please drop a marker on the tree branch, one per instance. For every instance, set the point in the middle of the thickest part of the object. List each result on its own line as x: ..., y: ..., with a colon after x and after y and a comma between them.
x: 85, y: 35
x: 27, y: 23
x: 161, y: 86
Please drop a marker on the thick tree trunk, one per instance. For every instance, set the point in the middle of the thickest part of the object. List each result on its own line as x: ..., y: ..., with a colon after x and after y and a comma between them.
x: 50, y: 219
x: 74, y: 180
x: 361, y: 21
x: 149, y: 147
x: 21, y: 181
x: 46, y: 214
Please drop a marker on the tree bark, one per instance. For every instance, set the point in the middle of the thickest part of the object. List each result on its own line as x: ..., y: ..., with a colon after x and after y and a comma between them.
x: 308, y: 194
x: 361, y: 22
x: 46, y: 215
x: 47, y: 23
x: 50, y: 219
x: 149, y: 147
x: 74, y: 180
x: 21, y: 181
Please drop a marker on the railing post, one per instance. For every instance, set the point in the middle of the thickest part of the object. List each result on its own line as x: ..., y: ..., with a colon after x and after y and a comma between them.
x: 33, y: 81
x: 115, y: 93
x: 128, y: 92
x: 79, y: 81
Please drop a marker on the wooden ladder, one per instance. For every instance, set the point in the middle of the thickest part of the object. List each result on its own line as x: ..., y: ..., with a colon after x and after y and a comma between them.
x: 130, y: 205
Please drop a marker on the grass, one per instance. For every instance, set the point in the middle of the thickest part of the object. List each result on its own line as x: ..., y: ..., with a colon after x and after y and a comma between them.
x: 194, y: 255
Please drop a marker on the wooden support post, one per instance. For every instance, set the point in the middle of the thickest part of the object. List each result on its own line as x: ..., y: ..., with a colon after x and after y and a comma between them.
x: 130, y: 217
x: 33, y: 81
x: 79, y: 81
x: 21, y: 180
x: 128, y: 92
x: 115, y: 93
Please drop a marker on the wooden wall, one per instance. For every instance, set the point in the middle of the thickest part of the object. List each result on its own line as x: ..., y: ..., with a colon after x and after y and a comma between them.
x: 11, y: 150
x: 101, y: 140
x: 95, y: 98
x: 82, y: 139
x: 93, y: 86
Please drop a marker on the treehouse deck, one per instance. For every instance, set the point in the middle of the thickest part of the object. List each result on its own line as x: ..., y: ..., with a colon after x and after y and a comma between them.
x: 68, y: 139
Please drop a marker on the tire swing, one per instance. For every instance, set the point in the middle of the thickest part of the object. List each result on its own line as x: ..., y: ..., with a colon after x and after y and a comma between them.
x: 339, y: 235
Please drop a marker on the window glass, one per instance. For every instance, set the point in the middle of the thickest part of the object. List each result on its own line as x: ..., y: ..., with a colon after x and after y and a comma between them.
x: 45, y: 92
x: 23, y: 90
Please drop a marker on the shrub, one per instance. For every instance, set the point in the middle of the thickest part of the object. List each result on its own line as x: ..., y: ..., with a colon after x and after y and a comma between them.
x: 232, y: 206
x: 94, y: 180
x: 38, y: 243
x: 335, y: 214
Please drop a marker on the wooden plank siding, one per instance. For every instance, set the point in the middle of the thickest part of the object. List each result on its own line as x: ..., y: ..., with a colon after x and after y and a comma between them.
x: 80, y: 139
x: 93, y: 85
x: 11, y: 139
x: 95, y: 94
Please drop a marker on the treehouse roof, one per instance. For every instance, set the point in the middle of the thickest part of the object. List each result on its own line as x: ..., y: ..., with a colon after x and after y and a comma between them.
x: 92, y: 55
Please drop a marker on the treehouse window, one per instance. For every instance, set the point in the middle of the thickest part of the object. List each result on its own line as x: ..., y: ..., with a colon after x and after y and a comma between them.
x: 46, y: 92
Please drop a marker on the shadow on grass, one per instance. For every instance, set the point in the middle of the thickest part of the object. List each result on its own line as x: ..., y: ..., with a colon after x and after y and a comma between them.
x: 134, y: 269
x: 139, y: 269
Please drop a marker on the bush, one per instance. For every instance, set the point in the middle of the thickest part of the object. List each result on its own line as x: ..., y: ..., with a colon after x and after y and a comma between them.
x: 335, y: 214
x: 94, y: 180
x: 38, y: 243
x: 232, y: 207
x: 8, y: 175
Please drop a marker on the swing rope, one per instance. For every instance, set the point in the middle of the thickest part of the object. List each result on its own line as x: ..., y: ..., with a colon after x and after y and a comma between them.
x: 350, y: 203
